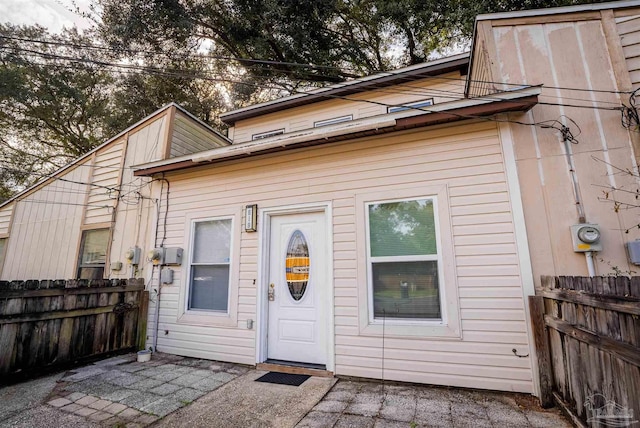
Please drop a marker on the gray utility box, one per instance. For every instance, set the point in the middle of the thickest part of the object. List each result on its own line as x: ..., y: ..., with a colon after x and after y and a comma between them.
x: 586, y: 237
x: 633, y: 250
x: 173, y: 256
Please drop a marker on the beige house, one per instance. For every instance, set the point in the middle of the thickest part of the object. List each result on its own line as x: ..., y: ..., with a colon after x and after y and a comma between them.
x: 388, y: 227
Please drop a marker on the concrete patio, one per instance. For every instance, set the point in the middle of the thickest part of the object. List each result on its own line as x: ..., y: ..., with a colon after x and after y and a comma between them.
x: 172, y: 391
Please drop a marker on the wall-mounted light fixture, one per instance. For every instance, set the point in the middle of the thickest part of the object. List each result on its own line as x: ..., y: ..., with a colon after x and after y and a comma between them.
x: 251, y: 218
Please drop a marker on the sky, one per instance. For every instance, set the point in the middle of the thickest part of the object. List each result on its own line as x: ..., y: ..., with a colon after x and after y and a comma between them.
x: 53, y: 14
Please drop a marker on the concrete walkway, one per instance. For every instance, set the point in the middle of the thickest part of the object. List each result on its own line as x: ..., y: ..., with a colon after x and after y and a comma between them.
x: 171, y: 391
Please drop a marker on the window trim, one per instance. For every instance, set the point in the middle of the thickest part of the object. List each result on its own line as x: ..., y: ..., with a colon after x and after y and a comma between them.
x: 79, y: 264
x: 448, y: 328
x: 413, y: 258
x: 333, y: 121
x: 263, y: 135
x: 205, y: 317
x: 191, y: 263
x: 403, y: 107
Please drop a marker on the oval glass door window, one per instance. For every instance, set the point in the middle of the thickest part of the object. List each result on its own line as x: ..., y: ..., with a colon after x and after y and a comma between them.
x: 297, y: 265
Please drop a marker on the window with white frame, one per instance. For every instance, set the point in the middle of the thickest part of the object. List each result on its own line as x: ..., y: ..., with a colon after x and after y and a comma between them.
x: 267, y: 134
x: 210, y: 262
x: 93, y: 254
x: 403, y: 258
x: 332, y: 121
x: 415, y: 105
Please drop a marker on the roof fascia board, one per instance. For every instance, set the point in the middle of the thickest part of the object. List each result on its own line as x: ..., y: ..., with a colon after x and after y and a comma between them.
x: 444, y: 112
x: 440, y: 66
x: 594, y: 7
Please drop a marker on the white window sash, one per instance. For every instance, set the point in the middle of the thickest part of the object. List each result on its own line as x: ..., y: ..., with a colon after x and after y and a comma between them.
x: 192, y: 264
x: 381, y: 259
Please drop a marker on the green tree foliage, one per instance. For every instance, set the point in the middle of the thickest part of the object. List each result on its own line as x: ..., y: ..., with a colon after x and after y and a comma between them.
x: 62, y: 98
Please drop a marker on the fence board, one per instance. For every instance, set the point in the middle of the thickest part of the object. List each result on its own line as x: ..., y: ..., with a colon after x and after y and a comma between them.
x: 46, y: 323
x: 593, y: 336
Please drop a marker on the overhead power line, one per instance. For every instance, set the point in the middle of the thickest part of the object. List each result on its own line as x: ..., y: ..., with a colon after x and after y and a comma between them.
x: 262, y: 62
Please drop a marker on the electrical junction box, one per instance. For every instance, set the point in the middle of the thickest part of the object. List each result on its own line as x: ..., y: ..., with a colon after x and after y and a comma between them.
x: 173, y: 256
x: 166, y: 276
x: 586, y: 237
x: 633, y: 250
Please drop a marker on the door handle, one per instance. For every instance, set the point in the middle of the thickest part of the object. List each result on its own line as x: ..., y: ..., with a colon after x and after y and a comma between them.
x: 272, y: 292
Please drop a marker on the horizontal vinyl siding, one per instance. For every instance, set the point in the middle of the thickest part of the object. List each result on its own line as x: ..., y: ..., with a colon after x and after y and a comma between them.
x: 441, y: 89
x: 629, y: 31
x: 5, y: 219
x: 467, y: 159
x: 105, y: 180
x: 189, y: 137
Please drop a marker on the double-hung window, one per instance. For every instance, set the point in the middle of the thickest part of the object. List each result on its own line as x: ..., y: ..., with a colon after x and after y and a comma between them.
x: 93, y: 254
x: 403, y: 260
x: 210, y: 263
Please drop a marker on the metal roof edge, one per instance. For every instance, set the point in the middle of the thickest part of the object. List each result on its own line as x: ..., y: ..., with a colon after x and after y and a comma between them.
x: 255, y: 147
x: 352, y: 86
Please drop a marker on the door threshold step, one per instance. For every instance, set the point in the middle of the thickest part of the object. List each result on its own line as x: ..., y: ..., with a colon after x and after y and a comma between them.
x: 281, y: 368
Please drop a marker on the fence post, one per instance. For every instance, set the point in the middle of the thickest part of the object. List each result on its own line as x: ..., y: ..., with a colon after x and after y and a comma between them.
x: 143, y: 311
x: 540, y: 336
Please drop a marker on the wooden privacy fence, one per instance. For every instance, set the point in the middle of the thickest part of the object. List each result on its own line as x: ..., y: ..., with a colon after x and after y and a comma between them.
x: 587, y: 334
x: 50, y: 323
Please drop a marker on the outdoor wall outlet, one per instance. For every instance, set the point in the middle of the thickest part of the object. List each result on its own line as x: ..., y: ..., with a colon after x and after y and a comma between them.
x: 249, y: 324
x: 116, y: 266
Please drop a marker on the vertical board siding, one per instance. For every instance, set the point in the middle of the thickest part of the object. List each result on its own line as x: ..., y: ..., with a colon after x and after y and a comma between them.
x: 104, y: 184
x: 46, y: 228
x: 467, y: 159
x: 135, y: 216
x: 190, y: 137
x: 629, y: 32
x: 561, y: 56
x: 442, y: 89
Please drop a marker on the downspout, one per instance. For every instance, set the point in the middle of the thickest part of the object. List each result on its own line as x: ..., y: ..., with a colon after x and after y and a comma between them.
x: 156, y: 314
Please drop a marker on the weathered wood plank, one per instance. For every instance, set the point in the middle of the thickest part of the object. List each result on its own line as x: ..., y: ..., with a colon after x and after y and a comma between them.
x: 621, y: 350
x: 68, y: 291
x: 56, y: 315
x: 143, y: 311
x: 628, y: 304
x: 541, y: 339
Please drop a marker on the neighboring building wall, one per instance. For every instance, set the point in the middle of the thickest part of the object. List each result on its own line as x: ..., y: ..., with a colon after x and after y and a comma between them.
x: 45, y: 232
x: 136, y: 212
x: 44, y: 225
x: 441, y: 89
x: 466, y: 158
x: 561, y: 55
